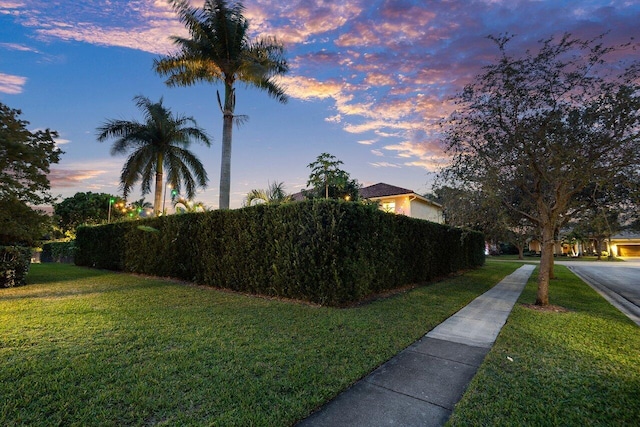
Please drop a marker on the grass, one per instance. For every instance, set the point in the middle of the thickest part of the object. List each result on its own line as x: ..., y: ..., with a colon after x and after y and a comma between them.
x: 580, y: 367
x: 87, y: 347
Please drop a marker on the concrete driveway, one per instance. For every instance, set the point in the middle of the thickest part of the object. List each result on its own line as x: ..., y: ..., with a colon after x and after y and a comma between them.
x: 618, y: 282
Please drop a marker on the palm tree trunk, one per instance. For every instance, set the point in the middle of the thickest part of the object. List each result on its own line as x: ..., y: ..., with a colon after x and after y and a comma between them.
x: 227, y: 129
x: 157, y: 197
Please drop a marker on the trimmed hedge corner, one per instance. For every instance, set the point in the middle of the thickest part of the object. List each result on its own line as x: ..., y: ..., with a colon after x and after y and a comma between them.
x: 322, y: 251
x: 14, y: 265
x: 58, y: 252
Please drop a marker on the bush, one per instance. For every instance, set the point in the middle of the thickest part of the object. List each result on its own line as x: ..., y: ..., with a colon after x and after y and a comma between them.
x: 58, y: 252
x: 14, y: 265
x: 328, y: 252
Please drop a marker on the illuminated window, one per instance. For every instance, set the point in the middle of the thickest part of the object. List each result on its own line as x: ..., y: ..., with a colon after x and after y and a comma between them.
x: 389, y: 207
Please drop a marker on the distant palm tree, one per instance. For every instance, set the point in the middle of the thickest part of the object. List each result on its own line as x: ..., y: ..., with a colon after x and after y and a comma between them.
x: 220, y: 50
x: 140, y: 206
x: 273, y: 194
x: 183, y: 205
x: 160, y: 142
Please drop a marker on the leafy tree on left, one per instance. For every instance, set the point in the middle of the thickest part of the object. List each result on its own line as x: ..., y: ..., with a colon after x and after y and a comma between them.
x: 25, y: 158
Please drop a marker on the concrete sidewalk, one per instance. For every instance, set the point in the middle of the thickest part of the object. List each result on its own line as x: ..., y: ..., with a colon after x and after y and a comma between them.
x: 421, y: 385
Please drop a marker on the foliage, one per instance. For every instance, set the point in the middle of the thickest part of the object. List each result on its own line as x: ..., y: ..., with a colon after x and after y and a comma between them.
x: 219, y: 50
x: 328, y: 181
x: 93, y: 348
x: 14, y: 265
x: 273, y: 194
x: 182, y: 205
x: 58, y: 252
x: 534, y: 130
x: 25, y: 158
x: 160, y: 142
x: 327, y: 252
x: 21, y: 224
x: 578, y: 367
x: 86, y: 208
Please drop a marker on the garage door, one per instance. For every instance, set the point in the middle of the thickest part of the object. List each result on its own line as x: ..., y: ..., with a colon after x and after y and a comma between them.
x: 629, y: 250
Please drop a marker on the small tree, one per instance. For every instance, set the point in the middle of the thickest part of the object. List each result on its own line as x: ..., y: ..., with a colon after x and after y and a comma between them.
x: 544, y: 124
x: 329, y: 181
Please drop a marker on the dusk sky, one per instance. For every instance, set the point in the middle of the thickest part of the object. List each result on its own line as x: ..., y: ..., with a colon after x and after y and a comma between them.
x: 369, y: 80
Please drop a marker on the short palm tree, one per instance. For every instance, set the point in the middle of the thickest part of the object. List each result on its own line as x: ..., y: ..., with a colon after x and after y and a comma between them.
x: 160, y: 142
x: 219, y: 50
x: 273, y: 194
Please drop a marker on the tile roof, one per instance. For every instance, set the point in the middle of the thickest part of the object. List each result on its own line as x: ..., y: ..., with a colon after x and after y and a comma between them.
x: 382, y: 190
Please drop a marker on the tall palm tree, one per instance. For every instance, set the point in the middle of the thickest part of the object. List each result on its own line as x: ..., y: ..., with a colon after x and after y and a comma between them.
x: 160, y: 142
x: 219, y: 50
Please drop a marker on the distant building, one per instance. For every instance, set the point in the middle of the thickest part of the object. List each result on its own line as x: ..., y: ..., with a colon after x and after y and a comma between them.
x: 403, y: 201
x: 397, y: 200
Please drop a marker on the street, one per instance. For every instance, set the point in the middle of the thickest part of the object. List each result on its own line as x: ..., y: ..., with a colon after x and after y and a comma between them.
x: 618, y: 282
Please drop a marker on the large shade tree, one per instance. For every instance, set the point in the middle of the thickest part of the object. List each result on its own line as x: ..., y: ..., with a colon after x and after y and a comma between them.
x: 160, y: 143
x: 538, y: 127
x: 219, y: 50
x: 25, y: 160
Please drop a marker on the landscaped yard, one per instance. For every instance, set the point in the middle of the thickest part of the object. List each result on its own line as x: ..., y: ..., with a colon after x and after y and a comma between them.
x: 88, y: 347
x: 574, y: 368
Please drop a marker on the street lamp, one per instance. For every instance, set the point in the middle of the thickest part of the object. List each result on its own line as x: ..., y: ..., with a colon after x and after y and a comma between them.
x: 111, y: 200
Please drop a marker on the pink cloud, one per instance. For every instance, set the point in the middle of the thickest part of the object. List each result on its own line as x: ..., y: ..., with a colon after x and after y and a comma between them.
x: 12, y: 85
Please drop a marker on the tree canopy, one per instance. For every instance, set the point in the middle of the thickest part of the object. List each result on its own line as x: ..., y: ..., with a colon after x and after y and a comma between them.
x: 86, y: 208
x: 535, y: 129
x: 328, y: 181
x: 25, y: 158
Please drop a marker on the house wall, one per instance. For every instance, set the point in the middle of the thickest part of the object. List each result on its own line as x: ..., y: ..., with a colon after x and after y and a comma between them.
x: 422, y: 210
x: 415, y: 208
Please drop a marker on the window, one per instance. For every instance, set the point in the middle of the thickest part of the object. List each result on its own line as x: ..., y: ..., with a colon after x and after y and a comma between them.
x: 389, y: 207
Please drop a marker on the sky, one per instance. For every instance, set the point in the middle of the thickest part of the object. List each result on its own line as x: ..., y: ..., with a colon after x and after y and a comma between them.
x: 369, y: 81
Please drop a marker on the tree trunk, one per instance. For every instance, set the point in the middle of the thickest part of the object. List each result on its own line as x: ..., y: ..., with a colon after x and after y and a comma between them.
x: 227, y: 130
x: 546, y: 265
x: 157, y: 197
x: 520, y: 251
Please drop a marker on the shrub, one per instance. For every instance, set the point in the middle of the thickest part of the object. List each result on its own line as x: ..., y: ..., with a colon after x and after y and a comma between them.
x: 327, y: 252
x: 58, y: 252
x: 14, y: 265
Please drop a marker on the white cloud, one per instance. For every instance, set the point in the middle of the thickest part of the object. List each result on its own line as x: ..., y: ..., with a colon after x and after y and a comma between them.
x: 11, y: 84
x: 384, y: 165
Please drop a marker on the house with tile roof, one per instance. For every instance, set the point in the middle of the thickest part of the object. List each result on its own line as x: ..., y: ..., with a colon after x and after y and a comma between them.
x: 397, y: 200
x: 403, y: 201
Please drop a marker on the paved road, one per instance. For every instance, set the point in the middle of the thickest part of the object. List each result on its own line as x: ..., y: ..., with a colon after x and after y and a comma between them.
x: 618, y: 282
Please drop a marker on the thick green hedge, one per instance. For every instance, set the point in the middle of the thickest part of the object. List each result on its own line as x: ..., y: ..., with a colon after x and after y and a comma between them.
x: 322, y: 251
x: 14, y: 265
x: 58, y: 252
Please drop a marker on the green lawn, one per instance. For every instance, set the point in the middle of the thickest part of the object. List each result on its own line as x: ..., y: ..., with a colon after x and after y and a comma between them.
x: 577, y: 368
x: 87, y: 347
